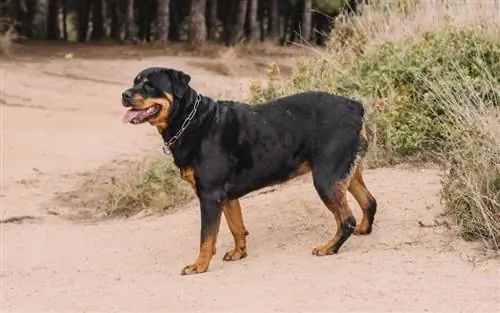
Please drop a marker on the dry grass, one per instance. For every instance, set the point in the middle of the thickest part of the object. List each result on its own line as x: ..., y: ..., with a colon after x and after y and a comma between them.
x: 6, y: 41
x: 125, y: 188
x: 471, y: 187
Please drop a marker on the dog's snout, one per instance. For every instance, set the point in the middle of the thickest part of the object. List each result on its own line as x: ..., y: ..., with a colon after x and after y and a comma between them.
x: 126, y: 96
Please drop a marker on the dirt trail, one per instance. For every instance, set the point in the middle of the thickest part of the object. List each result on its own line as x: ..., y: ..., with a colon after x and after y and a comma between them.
x: 63, y: 117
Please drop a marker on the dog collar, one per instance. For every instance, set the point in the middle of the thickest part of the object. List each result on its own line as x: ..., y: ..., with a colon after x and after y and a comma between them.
x: 185, y: 124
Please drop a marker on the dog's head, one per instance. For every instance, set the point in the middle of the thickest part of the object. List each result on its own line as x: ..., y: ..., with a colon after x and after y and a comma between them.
x: 153, y: 94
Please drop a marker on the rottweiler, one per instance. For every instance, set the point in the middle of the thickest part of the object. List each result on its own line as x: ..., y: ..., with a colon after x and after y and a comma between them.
x: 227, y: 149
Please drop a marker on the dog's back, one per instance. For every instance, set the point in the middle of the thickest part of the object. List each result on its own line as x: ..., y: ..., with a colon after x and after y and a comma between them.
x: 312, y: 113
x: 288, y: 134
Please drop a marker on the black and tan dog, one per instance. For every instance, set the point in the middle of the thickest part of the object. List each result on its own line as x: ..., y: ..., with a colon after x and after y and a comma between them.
x: 226, y: 149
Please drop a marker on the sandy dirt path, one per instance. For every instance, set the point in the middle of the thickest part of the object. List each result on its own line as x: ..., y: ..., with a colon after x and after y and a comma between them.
x: 63, y: 117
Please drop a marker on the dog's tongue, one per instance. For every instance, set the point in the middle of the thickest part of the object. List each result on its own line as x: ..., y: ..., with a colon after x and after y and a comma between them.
x: 130, y: 115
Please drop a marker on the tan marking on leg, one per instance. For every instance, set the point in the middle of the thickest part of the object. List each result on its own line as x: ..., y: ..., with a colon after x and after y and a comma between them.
x: 326, y: 248
x: 214, y: 249
x: 234, y: 218
x: 359, y: 191
x: 187, y: 174
x: 202, y: 262
x: 340, y: 209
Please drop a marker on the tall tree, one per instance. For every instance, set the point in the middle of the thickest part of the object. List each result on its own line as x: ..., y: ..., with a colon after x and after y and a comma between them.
x: 130, y: 29
x: 97, y: 20
x: 163, y: 20
x: 261, y: 16
x: 239, y: 21
x: 65, y: 19
x: 53, y: 30
x: 177, y: 9
x: 83, y: 20
x: 197, y: 26
x: 253, y: 31
x: 26, y: 11
x: 211, y: 19
x: 273, y: 20
x: 117, y: 19
x: 306, y: 20
x: 146, y: 12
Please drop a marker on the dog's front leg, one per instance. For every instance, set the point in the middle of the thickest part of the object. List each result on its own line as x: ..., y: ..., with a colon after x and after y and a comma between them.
x: 211, y: 209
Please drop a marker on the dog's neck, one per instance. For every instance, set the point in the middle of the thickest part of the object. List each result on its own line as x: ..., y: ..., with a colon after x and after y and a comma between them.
x: 180, y: 119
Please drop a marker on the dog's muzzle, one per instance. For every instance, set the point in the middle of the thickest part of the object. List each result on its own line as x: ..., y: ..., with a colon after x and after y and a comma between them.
x: 127, y: 98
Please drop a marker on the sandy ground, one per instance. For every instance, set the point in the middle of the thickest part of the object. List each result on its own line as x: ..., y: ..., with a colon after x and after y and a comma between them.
x: 61, y: 117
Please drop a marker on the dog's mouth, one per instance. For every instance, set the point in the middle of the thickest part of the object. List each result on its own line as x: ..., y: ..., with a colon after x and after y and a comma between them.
x: 138, y: 116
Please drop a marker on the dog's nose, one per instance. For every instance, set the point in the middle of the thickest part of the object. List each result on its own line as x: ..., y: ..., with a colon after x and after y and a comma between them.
x: 127, y: 95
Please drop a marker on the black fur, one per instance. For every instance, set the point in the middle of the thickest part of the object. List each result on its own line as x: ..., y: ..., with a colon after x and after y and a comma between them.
x: 234, y: 148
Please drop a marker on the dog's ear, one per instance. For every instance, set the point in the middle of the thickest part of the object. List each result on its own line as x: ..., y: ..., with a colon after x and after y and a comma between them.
x: 180, y: 82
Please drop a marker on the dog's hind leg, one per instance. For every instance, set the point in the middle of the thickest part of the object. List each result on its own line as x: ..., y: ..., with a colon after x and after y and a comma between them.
x: 331, y: 185
x: 365, y: 200
x: 234, y: 218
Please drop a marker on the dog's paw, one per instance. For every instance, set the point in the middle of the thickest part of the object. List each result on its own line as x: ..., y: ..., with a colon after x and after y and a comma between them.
x: 322, y: 250
x: 235, y: 255
x: 194, y: 269
x: 362, y: 229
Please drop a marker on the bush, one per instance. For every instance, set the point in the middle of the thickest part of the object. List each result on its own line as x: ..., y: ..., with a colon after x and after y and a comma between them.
x: 128, y: 188
x: 471, y: 188
x: 429, y: 88
x: 158, y: 187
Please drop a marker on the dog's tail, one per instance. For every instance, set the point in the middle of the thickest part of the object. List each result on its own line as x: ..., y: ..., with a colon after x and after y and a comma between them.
x: 363, y: 139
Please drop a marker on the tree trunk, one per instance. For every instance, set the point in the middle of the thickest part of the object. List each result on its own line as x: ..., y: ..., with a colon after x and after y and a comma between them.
x: 296, y: 18
x: 53, y: 31
x: 174, y: 32
x: 211, y: 19
x: 261, y: 17
x: 237, y: 27
x: 197, y: 26
x: 228, y: 17
x: 114, y: 15
x: 288, y: 11
x: 273, y: 20
x: 27, y: 18
x: 20, y: 9
x: 306, y: 21
x: 24, y: 18
x: 97, y: 20
x: 146, y: 12
x: 163, y: 20
x: 253, y: 32
x: 83, y: 20
x: 65, y: 19
x: 130, y: 29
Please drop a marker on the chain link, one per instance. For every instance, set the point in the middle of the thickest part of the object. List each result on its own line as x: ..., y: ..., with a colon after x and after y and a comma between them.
x: 185, y: 124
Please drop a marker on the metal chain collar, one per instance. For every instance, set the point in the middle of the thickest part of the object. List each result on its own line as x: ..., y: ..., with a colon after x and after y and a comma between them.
x: 185, y: 124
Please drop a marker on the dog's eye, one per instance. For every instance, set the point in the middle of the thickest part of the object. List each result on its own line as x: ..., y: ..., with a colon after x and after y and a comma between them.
x: 148, y: 87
